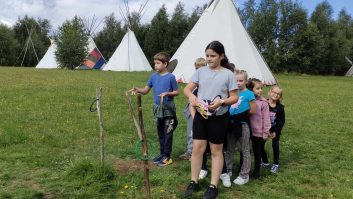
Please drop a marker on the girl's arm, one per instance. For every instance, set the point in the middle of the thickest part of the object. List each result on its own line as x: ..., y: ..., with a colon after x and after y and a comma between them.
x: 188, y: 93
x: 265, y: 112
x: 280, y: 120
x: 252, y: 107
x: 233, y: 98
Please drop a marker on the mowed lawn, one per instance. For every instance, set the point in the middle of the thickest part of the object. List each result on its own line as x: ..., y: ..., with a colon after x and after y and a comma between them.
x: 49, y: 140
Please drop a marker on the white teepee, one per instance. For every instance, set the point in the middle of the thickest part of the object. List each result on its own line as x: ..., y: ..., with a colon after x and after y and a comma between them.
x: 221, y: 22
x: 350, y: 71
x: 128, y: 56
x: 48, y: 60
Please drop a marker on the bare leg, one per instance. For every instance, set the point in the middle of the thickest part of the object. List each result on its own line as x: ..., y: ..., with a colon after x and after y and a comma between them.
x: 217, y: 162
x: 198, y: 148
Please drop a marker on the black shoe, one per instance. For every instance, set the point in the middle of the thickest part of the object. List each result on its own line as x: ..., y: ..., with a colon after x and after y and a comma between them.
x: 211, y: 192
x: 192, y: 188
x: 255, y: 175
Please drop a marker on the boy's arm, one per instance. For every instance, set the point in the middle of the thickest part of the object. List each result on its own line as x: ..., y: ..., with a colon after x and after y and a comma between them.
x: 172, y: 94
x: 143, y: 91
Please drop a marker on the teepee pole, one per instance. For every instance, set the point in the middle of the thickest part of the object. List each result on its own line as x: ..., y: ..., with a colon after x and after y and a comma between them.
x: 144, y: 149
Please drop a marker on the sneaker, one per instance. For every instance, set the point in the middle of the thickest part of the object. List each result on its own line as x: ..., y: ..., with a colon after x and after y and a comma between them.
x: 255, y: 175
x: 274, y: 168
x: 211, y: 192
x: 192, y: 188
x: 165, y: 161
x: 185, y: 156
x: 225, y: 180
x: 157, y: 159
x: 241, y: 181
x: 203, y: 174
x: 264, y: 165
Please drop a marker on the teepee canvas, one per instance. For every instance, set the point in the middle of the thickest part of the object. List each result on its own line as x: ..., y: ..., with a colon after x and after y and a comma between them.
x: 48, y: 60
x: 221, y: 22
x: 350, y: 71
x: 128, y: 56
x: 94, y: 59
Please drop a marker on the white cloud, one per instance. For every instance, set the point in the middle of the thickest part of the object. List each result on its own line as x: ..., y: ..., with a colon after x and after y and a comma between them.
x: 57, y: 11
x: 4, y: 22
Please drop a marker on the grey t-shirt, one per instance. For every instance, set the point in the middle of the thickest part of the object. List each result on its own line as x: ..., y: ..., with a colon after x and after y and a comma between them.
x: 213, y: 83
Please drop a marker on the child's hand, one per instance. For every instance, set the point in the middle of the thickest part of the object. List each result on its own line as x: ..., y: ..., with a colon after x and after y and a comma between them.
x: 266, y: 136
x: 193, y: 101
x: 163, y: 94
x: 273, y: 135
x: 215, y: 104
x: 134, y: 91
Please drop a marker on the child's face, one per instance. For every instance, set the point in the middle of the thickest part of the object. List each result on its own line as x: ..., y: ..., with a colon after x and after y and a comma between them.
x: 241, y: 81
x: 258, y: 89
x: 275, y: 94
x: 213, y: 59
x: 159, y: 66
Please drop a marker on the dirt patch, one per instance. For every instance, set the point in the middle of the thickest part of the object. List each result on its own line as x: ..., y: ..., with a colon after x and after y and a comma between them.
x: 33, y: 185
x: 125, y: 166
x: 48, y: 195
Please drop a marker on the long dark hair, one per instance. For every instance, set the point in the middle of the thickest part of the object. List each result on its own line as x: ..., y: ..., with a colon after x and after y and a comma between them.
x: 219, y: 49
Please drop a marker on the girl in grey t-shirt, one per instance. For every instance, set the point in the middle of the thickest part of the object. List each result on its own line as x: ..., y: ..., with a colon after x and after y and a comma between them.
x: 217, y: 85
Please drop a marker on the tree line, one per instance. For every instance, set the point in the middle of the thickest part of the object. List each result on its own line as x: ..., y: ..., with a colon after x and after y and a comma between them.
x: 288, y: 37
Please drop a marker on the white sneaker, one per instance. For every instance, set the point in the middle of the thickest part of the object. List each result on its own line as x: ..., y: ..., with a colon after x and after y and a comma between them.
x: 274, y: 168
x: 225, y: 180
x: 203, y: 174
x: 241, y: 181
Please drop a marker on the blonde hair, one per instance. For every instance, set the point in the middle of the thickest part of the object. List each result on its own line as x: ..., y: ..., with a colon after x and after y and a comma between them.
x: 242, y: 72
x: 199, y: 62
x: 281, y: 91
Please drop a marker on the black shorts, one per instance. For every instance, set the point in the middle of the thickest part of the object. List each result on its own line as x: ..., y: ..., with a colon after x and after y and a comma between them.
x: 213, y: 129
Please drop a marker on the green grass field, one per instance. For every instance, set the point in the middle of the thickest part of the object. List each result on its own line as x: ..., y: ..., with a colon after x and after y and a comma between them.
x: 49, y: 140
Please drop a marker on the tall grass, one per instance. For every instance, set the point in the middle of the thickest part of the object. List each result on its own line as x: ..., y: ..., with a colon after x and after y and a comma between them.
x: 49, y: 140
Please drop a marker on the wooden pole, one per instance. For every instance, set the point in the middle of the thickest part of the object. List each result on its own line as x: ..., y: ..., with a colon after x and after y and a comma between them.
x: 144, y: 149
x: 101, y: 131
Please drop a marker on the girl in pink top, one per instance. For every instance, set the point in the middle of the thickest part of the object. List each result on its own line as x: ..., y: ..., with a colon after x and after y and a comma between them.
x: 260, y: 124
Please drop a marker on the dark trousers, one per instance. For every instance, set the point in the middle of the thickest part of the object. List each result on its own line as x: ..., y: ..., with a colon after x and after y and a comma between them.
x: 275, y: 148
x: 165, y: 129
x: 257, y: 146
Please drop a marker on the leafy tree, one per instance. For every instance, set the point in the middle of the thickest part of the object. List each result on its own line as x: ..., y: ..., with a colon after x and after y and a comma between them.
x: 264, y: 31
x: 293, y: 22
x: 110, y: 37
x: 8, y: 46
x: 72, y: 42
x: 177, y: 31
x: 39, y: 30
x: 155, y: 37
x: 312, y: 43
x: 195, y: 16
x: 322, y: 18
x: 248, y: 12
x: 343, y: 40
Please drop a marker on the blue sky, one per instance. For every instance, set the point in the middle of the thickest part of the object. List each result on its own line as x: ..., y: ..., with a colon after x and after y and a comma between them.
x: 57, y: 11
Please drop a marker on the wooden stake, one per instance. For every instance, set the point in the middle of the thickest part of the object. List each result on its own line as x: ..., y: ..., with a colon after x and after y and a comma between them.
x: 101, y: 131
x: 144, y: 149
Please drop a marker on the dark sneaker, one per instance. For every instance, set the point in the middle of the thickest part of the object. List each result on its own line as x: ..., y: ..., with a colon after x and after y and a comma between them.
x: 185, y: 156
x: 157, y: 159
x: 193, y: 187
x: 211, y: 192
x: 165, y: 161
x: 255, y: 175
